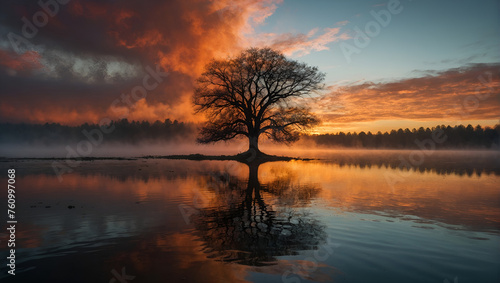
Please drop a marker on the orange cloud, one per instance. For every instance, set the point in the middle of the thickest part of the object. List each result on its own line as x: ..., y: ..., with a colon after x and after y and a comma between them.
x: 470, y: 93
x: 27, y: 61
x: 181, y: 36
x: 301, y: 44
x: 143, y: 111
x: 51, y: 114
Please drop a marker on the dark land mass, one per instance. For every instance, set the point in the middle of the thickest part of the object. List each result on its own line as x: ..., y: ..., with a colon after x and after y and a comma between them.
x: 248, y: 157
x: 245, y: 157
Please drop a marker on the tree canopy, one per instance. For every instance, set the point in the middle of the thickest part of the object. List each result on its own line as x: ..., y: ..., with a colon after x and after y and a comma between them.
x: 253, y: 94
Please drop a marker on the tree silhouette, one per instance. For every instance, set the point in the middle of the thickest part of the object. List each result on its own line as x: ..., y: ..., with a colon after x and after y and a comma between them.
x: 253, y: 94
x: 240, y: 227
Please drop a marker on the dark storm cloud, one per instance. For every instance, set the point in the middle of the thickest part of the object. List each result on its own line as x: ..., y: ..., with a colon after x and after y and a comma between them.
x: 90, y: 52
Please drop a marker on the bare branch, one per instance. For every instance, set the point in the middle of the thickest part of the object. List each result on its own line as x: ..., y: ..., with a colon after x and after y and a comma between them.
x: 252, y: 94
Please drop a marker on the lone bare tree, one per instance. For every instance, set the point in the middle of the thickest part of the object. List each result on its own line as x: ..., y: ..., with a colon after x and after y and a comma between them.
x: 255, y: 94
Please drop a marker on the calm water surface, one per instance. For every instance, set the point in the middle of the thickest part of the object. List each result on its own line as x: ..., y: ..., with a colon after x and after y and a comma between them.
x: 352, y: 217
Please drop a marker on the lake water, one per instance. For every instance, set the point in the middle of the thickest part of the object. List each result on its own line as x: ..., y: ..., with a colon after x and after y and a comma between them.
x: 357, y: 216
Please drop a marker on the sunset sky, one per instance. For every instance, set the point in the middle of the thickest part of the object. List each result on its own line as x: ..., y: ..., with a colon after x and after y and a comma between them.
x: 432, y: 62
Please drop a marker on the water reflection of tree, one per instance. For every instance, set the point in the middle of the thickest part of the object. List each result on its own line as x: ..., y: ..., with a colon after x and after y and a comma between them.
x: 241, y: 227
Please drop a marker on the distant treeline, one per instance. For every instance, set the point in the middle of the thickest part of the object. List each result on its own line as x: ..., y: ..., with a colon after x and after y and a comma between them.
x: 123, y: 131
x: 456, y: 137
x: 134, y: 132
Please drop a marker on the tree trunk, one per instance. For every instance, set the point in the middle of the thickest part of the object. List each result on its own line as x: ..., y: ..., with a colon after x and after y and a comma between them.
x: 253, y: 185
x: 253, y: 142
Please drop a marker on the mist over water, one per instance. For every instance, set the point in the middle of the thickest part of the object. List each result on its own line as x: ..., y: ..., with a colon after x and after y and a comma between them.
x: 301, y: 149
x: 115, y: 150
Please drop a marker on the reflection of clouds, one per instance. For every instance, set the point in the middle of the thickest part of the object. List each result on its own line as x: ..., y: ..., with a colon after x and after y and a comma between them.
x: 443, y: 162
x: 126, y: 218
x: 105, y: 208
x: 450, y: 199
x: 285, y: 183
x: 153, y: 256
x: 117, y: 191
x: 176, y: 256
